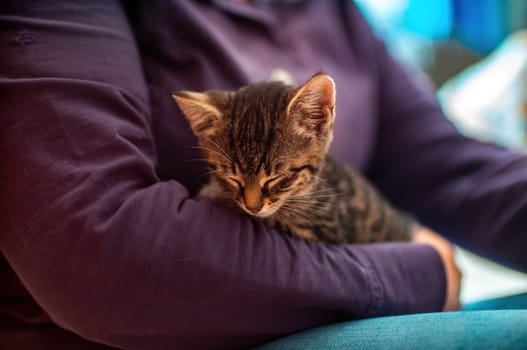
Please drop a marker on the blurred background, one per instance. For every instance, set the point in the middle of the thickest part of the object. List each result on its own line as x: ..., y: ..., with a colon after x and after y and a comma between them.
x: 475, y: 54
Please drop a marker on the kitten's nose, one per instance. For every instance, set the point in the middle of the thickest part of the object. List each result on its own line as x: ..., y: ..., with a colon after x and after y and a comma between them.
x: 253, y: 199
x: 254, y: 210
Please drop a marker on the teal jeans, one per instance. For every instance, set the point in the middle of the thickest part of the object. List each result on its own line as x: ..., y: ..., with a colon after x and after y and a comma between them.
x: 491, y: 324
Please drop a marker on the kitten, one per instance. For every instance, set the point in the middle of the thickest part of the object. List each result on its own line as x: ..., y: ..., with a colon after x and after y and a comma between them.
x: 267, y: 147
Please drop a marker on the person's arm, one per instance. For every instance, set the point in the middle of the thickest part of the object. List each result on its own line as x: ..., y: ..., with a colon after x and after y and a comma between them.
x: 121, y: 258
x: 473, y: 193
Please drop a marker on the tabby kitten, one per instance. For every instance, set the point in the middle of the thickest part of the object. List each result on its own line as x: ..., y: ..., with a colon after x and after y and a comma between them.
x: 267, y: 147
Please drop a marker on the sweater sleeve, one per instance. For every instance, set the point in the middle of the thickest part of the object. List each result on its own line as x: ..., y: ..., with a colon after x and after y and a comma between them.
x: 474, y: 193
x: 119, y: 257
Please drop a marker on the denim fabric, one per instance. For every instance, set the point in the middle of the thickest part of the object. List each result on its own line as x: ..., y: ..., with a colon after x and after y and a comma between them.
x: 518, y: 301
x: 491, y: 324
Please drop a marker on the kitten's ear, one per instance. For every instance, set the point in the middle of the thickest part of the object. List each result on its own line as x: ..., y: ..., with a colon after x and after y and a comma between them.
x: 313, y: 105
x: 199, y: 110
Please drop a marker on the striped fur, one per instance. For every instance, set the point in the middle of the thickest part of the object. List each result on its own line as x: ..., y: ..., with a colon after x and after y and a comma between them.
x: 266, y: 145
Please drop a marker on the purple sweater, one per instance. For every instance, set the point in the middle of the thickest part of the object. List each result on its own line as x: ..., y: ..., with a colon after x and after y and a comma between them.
x: 102, y: 237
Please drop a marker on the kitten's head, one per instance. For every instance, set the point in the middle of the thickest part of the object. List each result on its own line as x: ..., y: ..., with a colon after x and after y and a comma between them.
x: 266, y: 142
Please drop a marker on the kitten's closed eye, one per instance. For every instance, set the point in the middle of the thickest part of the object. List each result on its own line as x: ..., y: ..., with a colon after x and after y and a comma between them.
x: 284, y: 184
x: 271, y: 183
x: 234, y: 182
x: 308, y: 167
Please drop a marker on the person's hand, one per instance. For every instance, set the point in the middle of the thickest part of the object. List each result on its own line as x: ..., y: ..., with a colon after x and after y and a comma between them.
x: 445, y: 249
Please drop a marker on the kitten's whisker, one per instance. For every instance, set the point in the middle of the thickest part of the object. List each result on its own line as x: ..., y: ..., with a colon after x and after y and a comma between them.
x: 213, y: 142
x: 211, y: 151
x: 340, y: 193
x: 313, y: 200
x: 207, y: 173
x: 321, y: 194
x: 218, y: 148
x: 302, y: 204
x: 301, y: 207
x: 221, y: 155
x: 302, y: 211
x: 324, y: 191
x: 321, y: 180
x: 306, y: 205
x: 301, y: 200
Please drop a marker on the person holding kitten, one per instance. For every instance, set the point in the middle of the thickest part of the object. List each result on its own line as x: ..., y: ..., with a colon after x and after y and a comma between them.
x: 105, y: 242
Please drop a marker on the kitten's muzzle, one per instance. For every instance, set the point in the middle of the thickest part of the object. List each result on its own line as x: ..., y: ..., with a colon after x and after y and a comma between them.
x: 253, y: 199
x: 254, y: 210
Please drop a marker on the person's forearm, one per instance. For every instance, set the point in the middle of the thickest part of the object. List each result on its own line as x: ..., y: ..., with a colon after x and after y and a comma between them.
x: 120, y: 258
x: 165, y: 270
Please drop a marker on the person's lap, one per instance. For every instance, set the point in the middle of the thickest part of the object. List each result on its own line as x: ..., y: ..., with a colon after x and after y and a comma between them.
x: 491, y: 324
